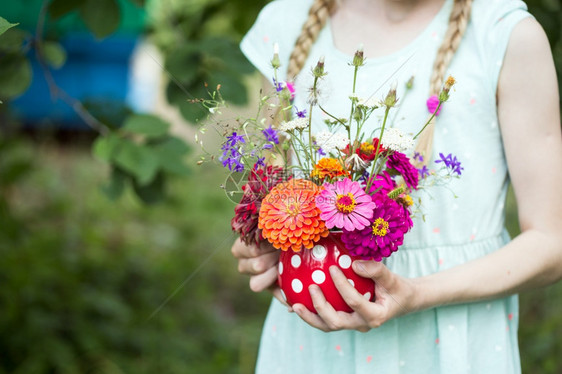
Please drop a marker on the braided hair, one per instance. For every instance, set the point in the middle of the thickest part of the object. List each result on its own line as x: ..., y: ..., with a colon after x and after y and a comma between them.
x: 318, y: 14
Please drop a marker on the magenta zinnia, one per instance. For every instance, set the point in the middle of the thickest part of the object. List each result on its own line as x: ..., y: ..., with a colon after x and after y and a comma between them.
x: 401, y: 163
x: 246, y: 212
x: 384, y: 234
x: 344, y: 204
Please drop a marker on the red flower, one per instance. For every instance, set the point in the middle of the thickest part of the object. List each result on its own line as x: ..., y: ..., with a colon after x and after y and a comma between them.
x: 246, y: 212
x: 366, y: 150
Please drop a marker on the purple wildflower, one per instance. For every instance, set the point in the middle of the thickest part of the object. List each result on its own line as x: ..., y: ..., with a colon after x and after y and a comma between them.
x: 231, y: 156
x: 424, y: 172
x: 418, y: 157
x: 451, y: 162
x: 278, y: 85
x: 301, y: 113
x: 260, y: 162
x: 271, y: 135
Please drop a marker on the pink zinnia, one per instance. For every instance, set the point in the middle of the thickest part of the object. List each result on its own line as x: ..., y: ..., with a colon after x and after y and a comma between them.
x: 345, y: 205
x: 384, y: 234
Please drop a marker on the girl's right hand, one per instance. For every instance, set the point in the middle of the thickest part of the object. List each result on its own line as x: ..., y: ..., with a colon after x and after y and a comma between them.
x: 260, y: 263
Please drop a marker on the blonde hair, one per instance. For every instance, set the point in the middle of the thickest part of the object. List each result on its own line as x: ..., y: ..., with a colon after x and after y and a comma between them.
x: 318, y: 14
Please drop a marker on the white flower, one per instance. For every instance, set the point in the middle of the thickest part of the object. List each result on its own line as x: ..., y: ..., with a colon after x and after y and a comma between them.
x: 297, y: 123
x: 355, y: 163
x: 330, y: 142
x: 370, y: 103
x: 396, y: 140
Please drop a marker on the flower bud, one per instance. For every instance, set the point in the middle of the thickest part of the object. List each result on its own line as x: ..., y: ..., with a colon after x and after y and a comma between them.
x: 410, y: 83
x: 275, y: 62
x: 390, y: 99
x: 444, y: 94
x: 358, y: 58
x: 318, y: 71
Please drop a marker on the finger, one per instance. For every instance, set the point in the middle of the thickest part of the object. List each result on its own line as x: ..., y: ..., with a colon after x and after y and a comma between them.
x: 276, y: 291
x: 376, y: 271
x: 242, y: 250
x: 262, y: 281
x: 351, y: 296
x: 312, y: 319
x: 259, y: 264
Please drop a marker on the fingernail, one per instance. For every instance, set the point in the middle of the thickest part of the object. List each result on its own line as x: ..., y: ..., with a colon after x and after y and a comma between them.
x: 312, y: 290
x: 333, y: 270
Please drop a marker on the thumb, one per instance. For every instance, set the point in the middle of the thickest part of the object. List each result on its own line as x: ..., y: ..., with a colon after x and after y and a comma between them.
x: 374, y: 270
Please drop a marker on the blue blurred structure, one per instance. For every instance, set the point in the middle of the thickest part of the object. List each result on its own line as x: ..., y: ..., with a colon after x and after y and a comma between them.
x: 96, y: 72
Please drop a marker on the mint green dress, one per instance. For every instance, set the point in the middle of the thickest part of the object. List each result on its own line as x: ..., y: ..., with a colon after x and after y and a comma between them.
x: 478, y: 337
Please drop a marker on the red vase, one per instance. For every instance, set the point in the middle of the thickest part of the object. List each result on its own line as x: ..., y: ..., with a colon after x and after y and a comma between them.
x: 298, y: 270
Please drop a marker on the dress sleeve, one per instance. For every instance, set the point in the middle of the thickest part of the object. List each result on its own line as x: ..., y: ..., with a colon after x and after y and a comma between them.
x: 498, y: 19
x: 278, y: 22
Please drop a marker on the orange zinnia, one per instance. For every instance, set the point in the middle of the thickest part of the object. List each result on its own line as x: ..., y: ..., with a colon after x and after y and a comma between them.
x: 289, y: 218
x: 328, y: 168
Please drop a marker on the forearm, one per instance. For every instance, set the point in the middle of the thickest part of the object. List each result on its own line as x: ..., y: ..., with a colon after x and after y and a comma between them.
x: 533, y: 259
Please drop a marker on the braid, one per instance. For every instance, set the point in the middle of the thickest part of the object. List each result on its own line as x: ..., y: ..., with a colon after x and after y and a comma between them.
x: 317, y: 17
x: 458, y: 22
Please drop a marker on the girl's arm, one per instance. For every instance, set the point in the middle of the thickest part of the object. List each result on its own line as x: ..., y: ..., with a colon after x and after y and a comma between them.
x: 528, y: 110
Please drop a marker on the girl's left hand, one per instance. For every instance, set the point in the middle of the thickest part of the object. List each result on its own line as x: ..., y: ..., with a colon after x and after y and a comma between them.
x: 394, y: 296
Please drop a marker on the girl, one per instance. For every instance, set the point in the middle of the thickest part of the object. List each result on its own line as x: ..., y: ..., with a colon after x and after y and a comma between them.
x: 445, y: 302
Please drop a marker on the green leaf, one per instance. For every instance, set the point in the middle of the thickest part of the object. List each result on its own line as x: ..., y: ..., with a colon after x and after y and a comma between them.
x: 58, y: 8
x: 12, y: 41
x: 139, y: 3
x: 184, y: 63
x: 105, y: 147
x: 232, y: 87
x: 15, y: 75
x: 153, y: 192
x: 54, y: 53
x: 116, y: 185
x: 102, y: 17
x: 138, y: 160
x: 5, y: 25
x: 146, y: 124
x: 171, y: 154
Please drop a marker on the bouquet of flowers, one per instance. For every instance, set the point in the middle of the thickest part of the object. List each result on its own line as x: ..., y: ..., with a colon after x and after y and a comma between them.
x: 344, y: 183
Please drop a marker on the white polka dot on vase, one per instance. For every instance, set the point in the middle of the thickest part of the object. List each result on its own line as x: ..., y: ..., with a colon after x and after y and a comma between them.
x: 367, y: 296
x: 296, y: 285
x: 351, y: 282
x: 296, y: 261
x: 319, y: 252
x: 280, y: 268
x: 318, y: 276
x: 344, y: 261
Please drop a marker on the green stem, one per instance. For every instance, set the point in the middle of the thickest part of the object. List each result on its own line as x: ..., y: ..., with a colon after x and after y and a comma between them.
x: 369, y: 183
x: 429, y: 120
x: 313, y: 159
x: 351, y: 150
x: 328, y: 114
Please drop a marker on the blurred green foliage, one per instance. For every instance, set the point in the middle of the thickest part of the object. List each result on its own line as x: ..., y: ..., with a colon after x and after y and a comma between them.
x: 93, y: 286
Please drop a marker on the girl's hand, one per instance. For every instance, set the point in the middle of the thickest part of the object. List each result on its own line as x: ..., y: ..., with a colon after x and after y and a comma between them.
x: 260, y: 263
x: 394, y: 296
